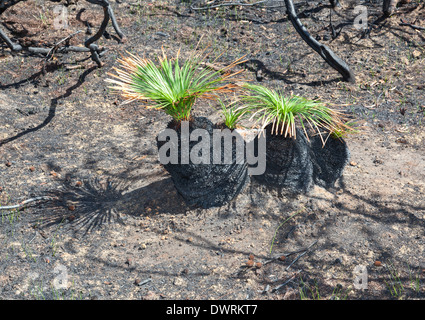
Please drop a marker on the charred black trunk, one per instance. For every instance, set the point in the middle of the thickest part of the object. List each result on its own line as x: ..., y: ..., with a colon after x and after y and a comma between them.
x: 288, y: 164
x: 206, y: 185
x: 296, y: 164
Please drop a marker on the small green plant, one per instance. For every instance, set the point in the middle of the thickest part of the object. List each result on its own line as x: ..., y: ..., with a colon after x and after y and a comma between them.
x: 305, y: 288
x: 338, y: 294
x: 37, y: 291
x: 11, y: 216
x: 271, y: 107
x: 40, y: 292
x: 231, y: 114
x: 61, y: 76
x: 42, y: 17
x: 28, y: 252
x: 173, y: 87
x: 394, y: 285
x: 415, y: 283
x: 53, y: 242
x: 312, y: 292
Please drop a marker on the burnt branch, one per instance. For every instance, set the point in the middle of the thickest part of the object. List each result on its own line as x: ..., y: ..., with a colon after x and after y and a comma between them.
x: 414, y: 27
x: 324, y: 51
x: 94, y: 49
x: 12, y: 46
x: 56, y: 46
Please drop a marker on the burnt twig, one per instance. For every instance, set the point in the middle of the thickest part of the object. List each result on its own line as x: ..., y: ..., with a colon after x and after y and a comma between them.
x: 403, y: 23
x: 276, y: 257
x: 55, y: 47
x: 299, y: 256
x: 286, y: 282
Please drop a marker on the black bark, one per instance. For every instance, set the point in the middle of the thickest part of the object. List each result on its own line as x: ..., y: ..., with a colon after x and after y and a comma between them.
x: 288, y: 164
x: 296, y: 164
x: 206, y: 185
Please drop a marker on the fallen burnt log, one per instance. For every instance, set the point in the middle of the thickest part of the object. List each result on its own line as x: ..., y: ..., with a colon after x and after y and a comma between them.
x: 324, y: 51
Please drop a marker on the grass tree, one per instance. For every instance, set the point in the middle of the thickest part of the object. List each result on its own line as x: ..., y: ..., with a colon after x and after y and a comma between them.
x: 292, y: 162
x: 173, y: 85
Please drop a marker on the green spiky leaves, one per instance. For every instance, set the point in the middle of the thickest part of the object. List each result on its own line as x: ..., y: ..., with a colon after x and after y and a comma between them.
x: 231, y: 114
x: 171, y: 85
x: 269, y: 106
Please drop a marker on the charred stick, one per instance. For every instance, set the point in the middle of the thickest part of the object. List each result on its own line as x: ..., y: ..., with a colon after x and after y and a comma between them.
x: 60, y: 50
x: 9, y: 43
x: 403, y: 23
x: 299, y: 256
x: 283, y: 284
x: 276, y: 257
x: 94, y: 49
x: 55, y: 47
x: 115, y: 23
x: 108, y: 13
